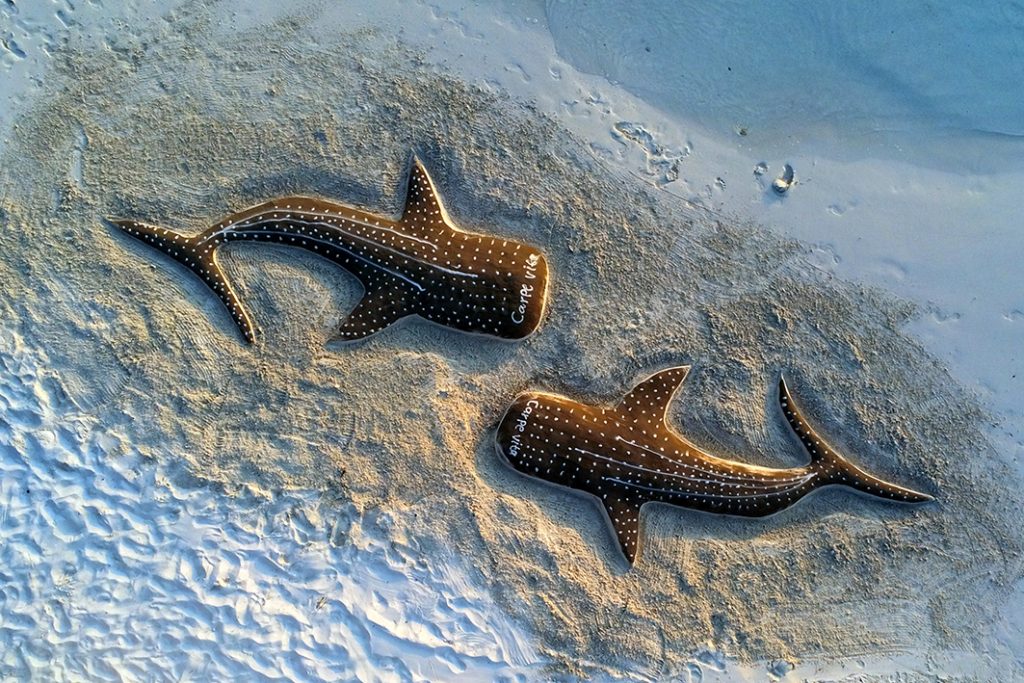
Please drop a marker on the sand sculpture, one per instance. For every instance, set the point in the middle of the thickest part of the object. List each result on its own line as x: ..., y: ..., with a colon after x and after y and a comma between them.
x: 628, y: 455
x: 419, y: 264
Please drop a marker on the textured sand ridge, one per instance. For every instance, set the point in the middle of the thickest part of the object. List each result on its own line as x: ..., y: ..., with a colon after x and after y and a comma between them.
x: 182, y: 126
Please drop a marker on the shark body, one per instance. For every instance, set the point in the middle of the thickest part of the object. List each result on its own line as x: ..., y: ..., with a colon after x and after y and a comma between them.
x: 626, y: 456
x: 417, y: 264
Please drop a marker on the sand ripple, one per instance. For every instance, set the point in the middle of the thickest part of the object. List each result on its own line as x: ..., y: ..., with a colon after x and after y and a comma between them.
x: 113, y: 567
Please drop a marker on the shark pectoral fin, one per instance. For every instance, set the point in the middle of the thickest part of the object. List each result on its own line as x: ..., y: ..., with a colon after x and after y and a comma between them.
x: 379, y: 308
x: 624, y: 516
x: 648, y: 401
x: 423, y: 215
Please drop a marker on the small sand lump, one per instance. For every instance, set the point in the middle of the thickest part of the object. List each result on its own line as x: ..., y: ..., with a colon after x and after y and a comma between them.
x: 782, y: 184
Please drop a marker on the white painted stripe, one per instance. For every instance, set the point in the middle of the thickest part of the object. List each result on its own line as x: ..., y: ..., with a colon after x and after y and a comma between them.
x: 320, y: 214
x: 342, y: 248
x: 742, y: 477
x: 744, y: 483
x: 245, y: 227
x: 708, y: 496
x: 365, y: 224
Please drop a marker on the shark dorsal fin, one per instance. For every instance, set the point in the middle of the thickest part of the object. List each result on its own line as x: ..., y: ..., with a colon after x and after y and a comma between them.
x: 624, y: 517
x: 648, y: 401
x: 423, y: 214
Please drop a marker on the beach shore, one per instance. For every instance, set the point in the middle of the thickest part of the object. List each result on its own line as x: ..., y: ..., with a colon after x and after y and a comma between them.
x: 180, y: 120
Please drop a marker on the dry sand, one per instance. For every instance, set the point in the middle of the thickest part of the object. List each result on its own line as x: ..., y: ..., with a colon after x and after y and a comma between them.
x: 180, y: 126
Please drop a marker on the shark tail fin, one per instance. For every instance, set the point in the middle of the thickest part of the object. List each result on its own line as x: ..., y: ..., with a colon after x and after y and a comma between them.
x: 198, y: 254
x: 834, y: 468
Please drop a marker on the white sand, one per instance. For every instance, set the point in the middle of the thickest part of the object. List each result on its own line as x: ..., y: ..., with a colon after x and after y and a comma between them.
x: 446, y: 559
x: 115, y: 567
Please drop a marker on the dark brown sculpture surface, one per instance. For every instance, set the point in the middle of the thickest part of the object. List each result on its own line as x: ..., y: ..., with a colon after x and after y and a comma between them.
x: 627, y: 456
x: 419, y: 264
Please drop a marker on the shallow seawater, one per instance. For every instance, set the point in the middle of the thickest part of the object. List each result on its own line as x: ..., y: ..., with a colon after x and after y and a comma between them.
x: 117, y: 567
x: 866, y: 79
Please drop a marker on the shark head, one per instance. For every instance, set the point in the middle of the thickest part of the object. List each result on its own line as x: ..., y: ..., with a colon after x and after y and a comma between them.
x: 527, y: 284
x: 472, y: 282
x: 506, y: 298
x: 517, y: 428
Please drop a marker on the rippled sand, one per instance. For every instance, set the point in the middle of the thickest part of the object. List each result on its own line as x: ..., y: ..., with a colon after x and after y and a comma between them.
x: 118, y: 567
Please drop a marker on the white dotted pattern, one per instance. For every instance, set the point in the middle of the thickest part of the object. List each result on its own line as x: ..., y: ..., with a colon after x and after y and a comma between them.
x: 628, y: 455
x: 420, y: 264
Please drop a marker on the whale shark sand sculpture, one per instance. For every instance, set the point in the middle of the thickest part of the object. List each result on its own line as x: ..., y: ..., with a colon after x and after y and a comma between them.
x: 628, y: 455
x: 418, y: 264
